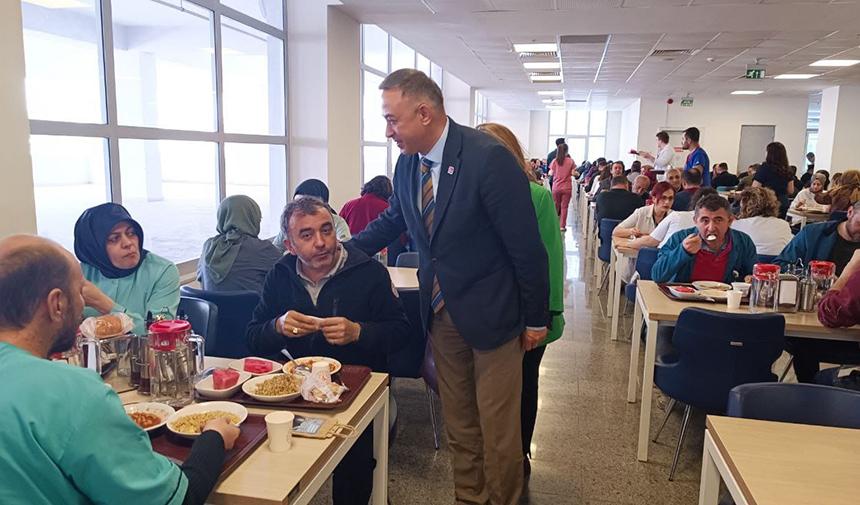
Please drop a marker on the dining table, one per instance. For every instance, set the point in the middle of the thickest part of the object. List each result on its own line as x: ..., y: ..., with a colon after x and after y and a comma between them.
x: 294, y: 477
x: 773, y: 463
x: 656, y: 309
x: 808, y: 216
x: 404, y: 278
x: 621, y: 252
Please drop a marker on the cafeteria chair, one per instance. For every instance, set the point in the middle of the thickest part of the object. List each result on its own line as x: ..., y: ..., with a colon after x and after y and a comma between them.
x: 838, y: 215
x: 645, y: 259
x: 714, y: 352
x: 235, y: 309
x: 431, y: 385
x: 604, y: 232
x: 796, y: 403
x: 407, y: 259
x: 203, y: 316
x: 764, y: 258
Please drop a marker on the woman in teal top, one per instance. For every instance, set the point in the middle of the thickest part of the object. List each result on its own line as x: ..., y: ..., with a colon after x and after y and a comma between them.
x: 550, y: 235
x: 121, y: 275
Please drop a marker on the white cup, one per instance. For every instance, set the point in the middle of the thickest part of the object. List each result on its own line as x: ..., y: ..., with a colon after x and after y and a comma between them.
x: 279, y: 426
x: 321, y: 369
x: 733, y: 298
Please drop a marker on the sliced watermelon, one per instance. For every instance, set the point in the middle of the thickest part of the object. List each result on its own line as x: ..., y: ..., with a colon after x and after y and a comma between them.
x: 254, y: 365
x: 225, y: 378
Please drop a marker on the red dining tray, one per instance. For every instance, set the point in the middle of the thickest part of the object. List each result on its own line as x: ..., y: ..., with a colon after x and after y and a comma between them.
x: 354, y: 377
x: 178, y: 448
x: 664, y: 288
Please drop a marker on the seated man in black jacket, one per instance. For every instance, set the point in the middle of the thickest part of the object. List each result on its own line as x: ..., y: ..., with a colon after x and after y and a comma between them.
x: 618, y: 202
x: 723, y: 177
x: 329, y: 299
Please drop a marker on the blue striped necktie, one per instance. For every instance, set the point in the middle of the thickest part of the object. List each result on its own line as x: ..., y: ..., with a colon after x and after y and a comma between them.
x: 428, y: 208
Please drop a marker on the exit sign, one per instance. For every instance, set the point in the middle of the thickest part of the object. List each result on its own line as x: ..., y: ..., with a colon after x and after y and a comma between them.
x: 755, y: 73
x: 687, y: 102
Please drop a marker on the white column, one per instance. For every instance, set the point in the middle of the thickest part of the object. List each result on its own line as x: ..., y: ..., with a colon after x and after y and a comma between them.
x: 837, y: 130
x: 17, y: 201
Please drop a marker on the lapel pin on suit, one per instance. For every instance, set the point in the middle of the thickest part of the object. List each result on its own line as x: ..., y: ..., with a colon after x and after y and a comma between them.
x: 451, y: 170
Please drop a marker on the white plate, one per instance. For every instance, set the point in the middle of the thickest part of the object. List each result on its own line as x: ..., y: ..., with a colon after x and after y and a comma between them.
x: 198, y: 408
x: 251, y: 385
x: 702, y: 285
x: 239, y: 364
x: 716, y: 294
x: 161, y: 410
x: 308, y: 360
x: 206, y: 387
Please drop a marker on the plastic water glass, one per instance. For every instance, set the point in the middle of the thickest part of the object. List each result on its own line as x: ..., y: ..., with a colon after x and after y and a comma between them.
x: 733, y: 298
x: 279, y: 426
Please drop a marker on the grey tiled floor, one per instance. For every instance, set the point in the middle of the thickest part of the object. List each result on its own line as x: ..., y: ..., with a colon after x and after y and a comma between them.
x: 585, y: 442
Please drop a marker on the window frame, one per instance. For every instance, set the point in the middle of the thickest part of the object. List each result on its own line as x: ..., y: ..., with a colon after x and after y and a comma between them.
x: 586, y: 136
x: 112, y: 131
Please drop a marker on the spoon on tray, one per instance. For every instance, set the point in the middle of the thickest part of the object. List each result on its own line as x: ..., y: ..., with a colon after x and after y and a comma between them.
x: 297, y: 368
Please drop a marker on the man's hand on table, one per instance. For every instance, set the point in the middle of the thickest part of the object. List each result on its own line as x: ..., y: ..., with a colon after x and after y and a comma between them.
x: 227, y: 431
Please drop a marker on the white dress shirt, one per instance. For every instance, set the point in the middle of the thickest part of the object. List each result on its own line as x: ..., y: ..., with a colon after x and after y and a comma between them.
x: 663, y: 158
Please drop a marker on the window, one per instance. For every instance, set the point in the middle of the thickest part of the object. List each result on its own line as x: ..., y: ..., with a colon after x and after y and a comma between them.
x: 481, y: 108
x: 380, y: 55
x: 166, y: 107
x: 584, y: 132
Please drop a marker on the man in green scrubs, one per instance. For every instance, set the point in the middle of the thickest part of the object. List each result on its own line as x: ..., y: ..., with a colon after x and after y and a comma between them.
x: 64, y: 436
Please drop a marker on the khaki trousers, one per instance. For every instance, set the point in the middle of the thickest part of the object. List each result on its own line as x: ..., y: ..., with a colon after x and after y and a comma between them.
x: 480, y: 393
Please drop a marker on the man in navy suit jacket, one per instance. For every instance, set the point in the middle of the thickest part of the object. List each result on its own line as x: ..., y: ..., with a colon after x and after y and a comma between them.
x: 483, y: 277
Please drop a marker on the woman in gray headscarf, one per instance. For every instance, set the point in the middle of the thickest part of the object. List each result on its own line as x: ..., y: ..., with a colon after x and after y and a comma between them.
x: 236, y: 259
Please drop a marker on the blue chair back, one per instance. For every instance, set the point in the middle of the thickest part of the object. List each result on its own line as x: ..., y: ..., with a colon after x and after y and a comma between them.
x: 605, y: 233
x: 718, y: 351
x: 838, y: 215
x: 203, y: 316
x: 407, y: 259
x: 796, y: 403
x: 235, y: 309
x: 764, y: 258
x: 645, y: 262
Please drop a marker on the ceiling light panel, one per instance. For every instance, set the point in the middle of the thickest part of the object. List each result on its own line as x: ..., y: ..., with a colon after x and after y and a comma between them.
x: 834, y: 63
x: 795, y: 76
x: 747, y: 92
x: 550, y: 93
x: 541, y: 65
x: 536, y: 47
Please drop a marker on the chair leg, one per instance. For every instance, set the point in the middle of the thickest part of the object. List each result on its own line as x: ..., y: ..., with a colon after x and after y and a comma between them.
x: 680, y: 442
x: 787, y: 368
x: 432, y: 416
x: 669, y: 408
x: 604, y: 277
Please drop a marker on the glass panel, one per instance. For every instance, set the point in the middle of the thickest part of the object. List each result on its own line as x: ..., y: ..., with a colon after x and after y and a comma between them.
x: 436, y: 73
x: 550, y: 144
x: 373, y: 122
x: 270, y: 12
x: 598, y: 123
x: 577, y: 122
x: 422, y: 63
x: 68, y: 178
x: 394, y: 154
x: 259, y: 171
x: 164, y: 64
x: 64, y: 68
x: 253, y: 80
x: 556, y: 123
x: 596, y: 147
x: 375, y: 161
x: 375, y: 51
x: 811, y: 141
x: 402, y: 56
x: 577, y: 149
x: 169, y: 186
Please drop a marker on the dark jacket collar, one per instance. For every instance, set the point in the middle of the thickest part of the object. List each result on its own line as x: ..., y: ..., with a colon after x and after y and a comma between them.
x: 355, y: 257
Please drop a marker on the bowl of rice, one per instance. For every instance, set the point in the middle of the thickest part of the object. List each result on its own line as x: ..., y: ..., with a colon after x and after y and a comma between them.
x: 280, y: 387
x: 189, y: 421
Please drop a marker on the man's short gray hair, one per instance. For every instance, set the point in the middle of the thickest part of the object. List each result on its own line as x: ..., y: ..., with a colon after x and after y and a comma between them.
x: 416, y: 84
x: 304, y: 206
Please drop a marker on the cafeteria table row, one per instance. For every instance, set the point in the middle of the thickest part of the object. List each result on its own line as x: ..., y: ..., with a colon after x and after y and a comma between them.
x: 294, y: 477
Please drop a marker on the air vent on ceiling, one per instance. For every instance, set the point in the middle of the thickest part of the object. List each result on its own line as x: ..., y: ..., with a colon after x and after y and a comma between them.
x: 532, y: 74
x: 671, y: 53
x: 566, y: 40
x: 545, y: 54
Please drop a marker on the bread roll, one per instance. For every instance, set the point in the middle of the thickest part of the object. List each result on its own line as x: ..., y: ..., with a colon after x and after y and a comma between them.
x: 108, y: 326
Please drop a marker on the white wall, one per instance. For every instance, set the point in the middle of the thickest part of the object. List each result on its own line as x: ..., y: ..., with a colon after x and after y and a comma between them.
x: 613, y: 136
x: 539, y: 136
x: 837, y: 133
x: 17, y: 204
x: 628, y: 136
x: 518, y: 121
x: 720, y: 121
x: 458, y: 98
x: 344, y: 111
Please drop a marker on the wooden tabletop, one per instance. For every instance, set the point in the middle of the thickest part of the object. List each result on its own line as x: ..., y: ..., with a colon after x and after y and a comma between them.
x: 404, y: 278
x: 810, y: 215
x: 789, y: 464
x: 662, y: 308
x: 269, y: 478
x: 621, y: 244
